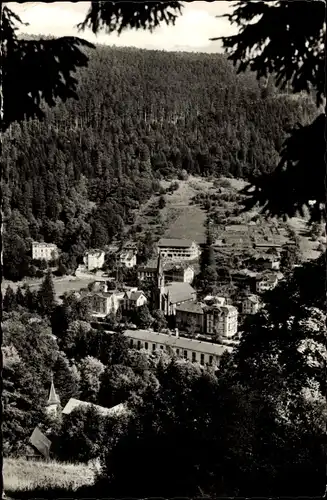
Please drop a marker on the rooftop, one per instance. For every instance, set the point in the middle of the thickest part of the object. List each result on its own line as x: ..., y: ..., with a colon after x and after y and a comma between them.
x: 39, y: 441
x: 175, y: 243
x: 193, y: 307
x: 179, y: 342
x: 43, y: 244
x: 76, y: 403
x: 179, y: 292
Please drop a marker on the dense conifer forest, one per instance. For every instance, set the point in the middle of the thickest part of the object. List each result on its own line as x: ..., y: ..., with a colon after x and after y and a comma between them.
x: 141, y: 116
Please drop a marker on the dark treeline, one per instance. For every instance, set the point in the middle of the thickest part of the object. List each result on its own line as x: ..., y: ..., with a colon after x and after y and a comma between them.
x: 141, y: 115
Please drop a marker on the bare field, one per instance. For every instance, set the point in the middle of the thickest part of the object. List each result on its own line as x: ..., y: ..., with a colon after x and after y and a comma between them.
x: 20, y: 475
x: 189, y: 220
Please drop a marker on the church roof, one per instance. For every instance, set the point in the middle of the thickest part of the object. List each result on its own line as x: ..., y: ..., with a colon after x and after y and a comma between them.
x: 179, y: 292
x: 53, y: 396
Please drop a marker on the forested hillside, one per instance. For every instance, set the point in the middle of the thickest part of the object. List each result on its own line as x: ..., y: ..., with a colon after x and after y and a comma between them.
x: 141, y: 115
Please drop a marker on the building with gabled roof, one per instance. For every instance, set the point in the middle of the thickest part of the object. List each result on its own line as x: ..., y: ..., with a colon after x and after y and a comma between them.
x: 94, y: 259
x: 38, y: 445
x: 74, y: 404
x: 127, y: 258
x: 134, y: 299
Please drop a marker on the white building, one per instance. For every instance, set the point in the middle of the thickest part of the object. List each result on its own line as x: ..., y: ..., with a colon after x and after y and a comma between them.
x: 133, y: 299
x: 44, y: 251
x: 94, y: 259
x: 193, y: 350
x: 178, y: 249
x: 104, y: 303
x: 215, y: 319
x: 127, y: 258
x: 221, y: 320
x: 266, y: 282
x: 250, y: 304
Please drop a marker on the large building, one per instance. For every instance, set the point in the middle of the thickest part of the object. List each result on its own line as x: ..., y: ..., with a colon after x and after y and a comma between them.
x: 204, y: 353
x: 173, y: 272
x: 94, y: 259
x: 178, y: 249
x: 216, y: 320
x: 44, y: 251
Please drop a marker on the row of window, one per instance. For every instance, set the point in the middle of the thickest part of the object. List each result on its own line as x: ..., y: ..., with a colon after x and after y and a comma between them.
x: 179, y: 352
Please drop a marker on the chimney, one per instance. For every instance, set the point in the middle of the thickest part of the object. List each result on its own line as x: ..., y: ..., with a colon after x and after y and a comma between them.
x: 176, y: 333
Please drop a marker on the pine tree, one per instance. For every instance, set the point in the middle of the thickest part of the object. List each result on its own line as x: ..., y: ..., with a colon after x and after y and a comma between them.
x: 20, y: 299
x: 46, y: 295
x: 9, y: 300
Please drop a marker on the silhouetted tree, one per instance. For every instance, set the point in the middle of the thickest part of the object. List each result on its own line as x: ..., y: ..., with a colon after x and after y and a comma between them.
x: 293, y: 51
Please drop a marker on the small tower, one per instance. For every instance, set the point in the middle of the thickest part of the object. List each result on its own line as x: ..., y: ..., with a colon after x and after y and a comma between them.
x: 160, y: 284
x: 53, y: 404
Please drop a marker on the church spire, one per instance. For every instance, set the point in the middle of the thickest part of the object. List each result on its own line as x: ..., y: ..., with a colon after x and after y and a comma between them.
x: 53, y: 396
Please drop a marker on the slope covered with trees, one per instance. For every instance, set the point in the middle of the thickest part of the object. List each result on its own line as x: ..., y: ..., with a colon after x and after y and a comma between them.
x: 74, y: 178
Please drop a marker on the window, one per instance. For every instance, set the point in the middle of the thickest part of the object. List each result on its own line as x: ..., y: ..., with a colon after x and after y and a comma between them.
x: 161, y: 347
x: 202, y: 359
x: 185, y: 354
x: 177, y: 352
x: 145, y: 345
x: 210, y: 360
x: 139, y: 344
x: 131, y: 343
x: 193, y: 357
x: 153, y: 347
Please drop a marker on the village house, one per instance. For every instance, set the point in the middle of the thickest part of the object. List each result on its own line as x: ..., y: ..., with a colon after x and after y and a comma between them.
x: 250, y: 304
x: 104, y: 302
x: 127, y: 258
x: 178, y: 249
x: 266, y: 282
x: 133, y: 299
x: 190, y: 313
x: 94, y: 259
x: 44, y: 251
x: 204, y: 353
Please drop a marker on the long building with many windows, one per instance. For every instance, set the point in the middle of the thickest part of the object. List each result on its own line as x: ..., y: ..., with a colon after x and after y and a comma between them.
x: 197, y: 351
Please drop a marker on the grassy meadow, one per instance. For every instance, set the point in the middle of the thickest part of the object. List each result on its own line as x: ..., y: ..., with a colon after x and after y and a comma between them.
x: 22, y: 478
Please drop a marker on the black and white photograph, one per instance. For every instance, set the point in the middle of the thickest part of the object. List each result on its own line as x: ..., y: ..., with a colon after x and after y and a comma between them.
x: 163, y: 249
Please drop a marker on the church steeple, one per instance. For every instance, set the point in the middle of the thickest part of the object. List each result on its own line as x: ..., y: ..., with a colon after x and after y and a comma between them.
x: 53, y: 400
x: 160, y: 282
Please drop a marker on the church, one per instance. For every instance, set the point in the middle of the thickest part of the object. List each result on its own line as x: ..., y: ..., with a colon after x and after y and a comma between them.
x: 168, y: 297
